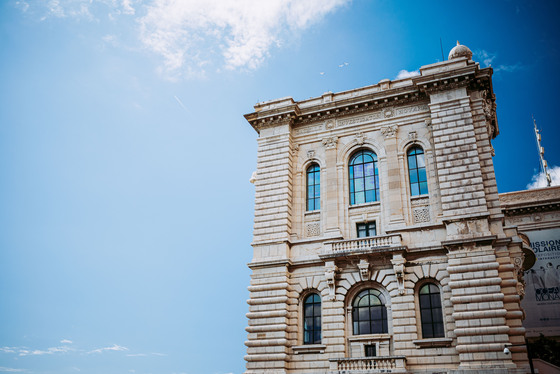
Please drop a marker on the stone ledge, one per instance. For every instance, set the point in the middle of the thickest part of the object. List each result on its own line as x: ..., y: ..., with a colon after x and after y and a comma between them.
x: 309, y: 348
x: 432, y: 343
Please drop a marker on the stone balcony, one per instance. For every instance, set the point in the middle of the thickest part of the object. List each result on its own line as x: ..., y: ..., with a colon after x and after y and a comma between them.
x: 378, y: 364
x: 370, y: 245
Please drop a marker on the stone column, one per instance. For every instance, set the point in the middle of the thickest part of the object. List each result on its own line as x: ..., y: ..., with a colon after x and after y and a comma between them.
x: 330, y: 201
x: 393, y: 192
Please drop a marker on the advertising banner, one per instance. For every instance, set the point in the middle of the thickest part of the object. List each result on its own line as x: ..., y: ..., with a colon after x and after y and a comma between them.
x: 542, y: 284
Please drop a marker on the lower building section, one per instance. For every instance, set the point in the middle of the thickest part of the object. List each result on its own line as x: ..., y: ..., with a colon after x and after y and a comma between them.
x: 374, y: 306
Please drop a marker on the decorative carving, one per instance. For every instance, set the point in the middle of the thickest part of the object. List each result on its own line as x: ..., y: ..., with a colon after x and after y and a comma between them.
x: 253, y: 178
x: 421, y: 214
x: 428, y: 122
x: 310, y: 154
x: 308, y: 129
x: 412, y: 109
x: 313, y: 229
x: 398, y: 262
x: 330, y: 275
x: 360, y: 138
x: 330, y: 142
x: 389, y: 131
x: 329, y: 125
x: 359, y: 120
x: 420, y: 202
x: 363, y: 265
x: 295, y: 149
x: 388, y: 113
x: 412, y: 135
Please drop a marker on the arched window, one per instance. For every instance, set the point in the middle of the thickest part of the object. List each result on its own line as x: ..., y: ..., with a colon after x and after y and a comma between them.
x: 364, y: 178
x: 369, y: 314
x: 430, y: 311
x: 312, y: 319
x: 313, y: 187
x: 417, y: 171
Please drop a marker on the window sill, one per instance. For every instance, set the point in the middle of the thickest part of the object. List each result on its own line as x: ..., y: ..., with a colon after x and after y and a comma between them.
x: 433, y: 343
x: 368, y: 337
x: 309, y: 348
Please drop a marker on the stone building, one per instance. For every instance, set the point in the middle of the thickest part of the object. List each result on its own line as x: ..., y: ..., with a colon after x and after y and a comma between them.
x: 379, y: 238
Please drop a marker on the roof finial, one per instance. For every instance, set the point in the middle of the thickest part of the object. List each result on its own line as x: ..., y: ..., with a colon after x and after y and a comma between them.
x: 458, y: 43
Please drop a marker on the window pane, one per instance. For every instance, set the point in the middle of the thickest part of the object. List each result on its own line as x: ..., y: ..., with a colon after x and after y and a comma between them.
x: 422, y: 175
x: 307, y: 337
x: 364, y: 328
x: 424, y: 301
x: 355, y: 328
x: 317, y: 325
x: 415, y: 189
x: 370, y: 183
x: 364, y: 301
x: 317, y: 337
x: 411, y: 162
x: 413, y: 176
x: 359, y: 198
x: 317, y: 204
x: 370, y: 196
x: 438, y: 330
x: 374, y: 300
x: 358, y: 159
x: 423, y: 188
x: 308, y: 310
x: 359, y: 184
x: 371, y: 229
x: 421, y: 162
x: 368, y: 168
x: 363, y: 314
x: 358, y: 171
x: 435, y: 300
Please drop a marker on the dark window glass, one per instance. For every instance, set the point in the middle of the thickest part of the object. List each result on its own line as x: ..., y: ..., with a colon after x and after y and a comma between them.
x: 363, y: 175
x: 369, y: 313
x: 312, y: 319
x: 430, y: 311
x: 417, y: 171
x: 370, y: 350
x: 313, y: 187
x: 366, y: 229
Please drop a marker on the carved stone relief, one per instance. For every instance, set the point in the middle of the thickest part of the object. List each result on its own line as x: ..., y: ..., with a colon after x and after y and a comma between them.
x: 330, y: 142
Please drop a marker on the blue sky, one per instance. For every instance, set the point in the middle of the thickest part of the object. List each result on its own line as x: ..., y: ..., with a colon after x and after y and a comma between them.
x: 126, y: 216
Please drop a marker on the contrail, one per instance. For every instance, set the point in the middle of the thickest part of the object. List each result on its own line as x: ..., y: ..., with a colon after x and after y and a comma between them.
x: 181, y: 103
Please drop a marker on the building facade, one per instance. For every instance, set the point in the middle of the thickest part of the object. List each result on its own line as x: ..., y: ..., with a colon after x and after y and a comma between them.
x: 379, y: 240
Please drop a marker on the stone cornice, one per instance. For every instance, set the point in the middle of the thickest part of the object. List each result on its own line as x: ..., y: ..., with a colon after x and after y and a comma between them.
x: 537, y: 200
x: 372, y: 98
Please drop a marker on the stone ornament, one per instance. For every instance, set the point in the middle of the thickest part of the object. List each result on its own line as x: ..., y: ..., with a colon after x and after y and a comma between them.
x: 330, y: 275
x: 389, y: 131
x: 363, y: 265
x: 330, y: 142
x: 329, y: 125
x: 412, y: 135
x: 310, y: 154
x: 360, y: 138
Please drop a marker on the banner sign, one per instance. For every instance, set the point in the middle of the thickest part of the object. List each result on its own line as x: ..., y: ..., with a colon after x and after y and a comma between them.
x: 542, y: 284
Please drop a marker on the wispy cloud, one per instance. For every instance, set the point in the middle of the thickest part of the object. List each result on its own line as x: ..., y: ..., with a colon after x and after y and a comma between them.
x: 539, y: 179
x: 487, y: 59
x: 114, y: 347
x: 66, y: 341
x: 11, y: 370
x: 343, y: 65
x: 403, y: 74
x: 191, y: 36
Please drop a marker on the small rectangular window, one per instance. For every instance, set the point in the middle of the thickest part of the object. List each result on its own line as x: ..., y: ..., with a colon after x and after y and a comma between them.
x: 365, y: 229
x: 371, y: 350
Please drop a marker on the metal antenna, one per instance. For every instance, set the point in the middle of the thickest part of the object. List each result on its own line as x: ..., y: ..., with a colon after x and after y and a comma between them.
x: 541, y: 153
x: 441, y: 46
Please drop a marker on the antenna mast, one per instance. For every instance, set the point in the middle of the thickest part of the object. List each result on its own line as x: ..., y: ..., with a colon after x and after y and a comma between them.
x: 541, y: 153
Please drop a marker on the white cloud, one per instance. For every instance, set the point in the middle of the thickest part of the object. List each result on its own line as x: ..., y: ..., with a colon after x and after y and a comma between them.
x: 539, y: 180
x: 66, y: 341
x: 407, y: 74
x: 239, y: 34
x: 11, y: 370
x: 114, y: 347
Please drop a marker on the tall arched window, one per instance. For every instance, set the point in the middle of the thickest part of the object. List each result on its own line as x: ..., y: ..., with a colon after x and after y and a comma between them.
x: 430, y: 311
x: 369, y: 314
x: 417, y: 171
x: 364, y: 178
x: 313, y: 187
x: 312, y: 319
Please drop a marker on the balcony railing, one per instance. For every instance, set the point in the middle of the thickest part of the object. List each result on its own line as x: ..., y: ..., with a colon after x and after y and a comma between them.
x: 386, y: 243
x: 379, y: 364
